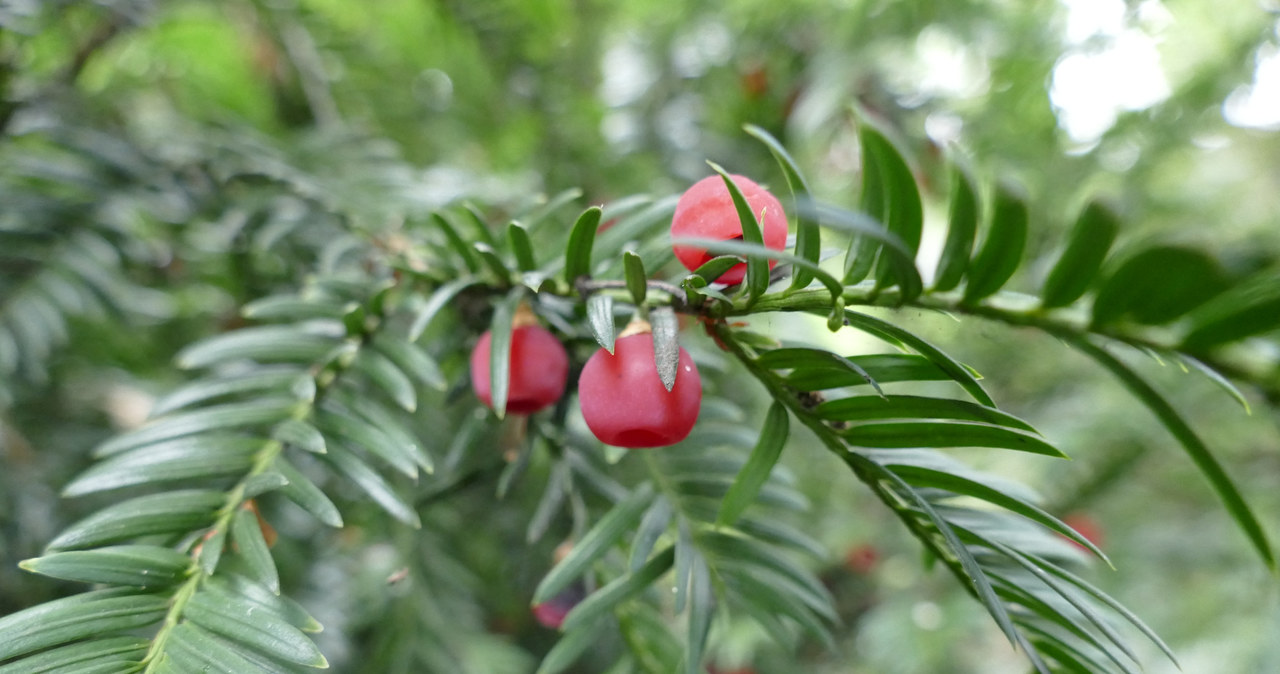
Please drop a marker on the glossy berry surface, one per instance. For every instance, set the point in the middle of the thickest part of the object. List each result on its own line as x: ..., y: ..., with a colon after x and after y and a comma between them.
x: 539, y: 368
x: 624, y: 402
x: 706, y: 210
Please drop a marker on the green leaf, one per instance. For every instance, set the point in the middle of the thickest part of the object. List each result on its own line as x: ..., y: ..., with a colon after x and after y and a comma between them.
x: 515, y: 469
x: 285, y: 608
x: 748, y: 249
x: 438, y: 300
x: 1070, y: 661
x: 216, y: 418
x: 637, y: 280
x: 962, y: 225
x: 648, y: 638
x: 968, y: 483
x: 1194, y: 446
x: 652, y: 527
x: 808, y: 234
x: 560, y: 200
x: 600, y: 317
x: 246, y: 534
x: 291, y: 307
x: 882, y: 368
x: 169, y: 512
x: 1217, y: 378
x: 459, y: 246
x: 411, y: 359
x: 116, y: 651
x: 262, y: 483
x: 773, y: 437
x: 1019, y: 595
x: 607, y: 532
x: 1089, y: 612
x: 571, y: 647
x: 714, y: 268
x: 577, y: 255
x: 717, y: 486
x: 307, y: 495
x: 350, y: 466
x: 183, y: 458
x: 388, y: 377
x: 1250, y: 307
x: 264, y: 380
x: 701, y: 612
x: 238, y: 620
x: 385, y: 421
x: 268, y: 343
x: 860, y: 408
x: 1157, y: 285
x: 770, y: 531
x: 684, y: 554
x: 479, y: 228
x: 191, y: 649
x: 1111, y: 604
x: 972, y: 574
x: 83, y: 616
x: 757, y: 267
x: 211, y: 549
x: 1091, y: 238
x: 666, y: 350
x: 894, y: 334
x: 769, y: 596
x: 553, y: 496
x: 905, y: 434
x: 903, y: 213
x: 136, y: 565
x: 300, y: 434
x: 497, y: 268
x: 521, y: 247
x: 500, y: 328
x: 873, y: 236
x: 802, y: 360
x: 619, y: 590
x: 1001, y: 252
x: 731, y: 548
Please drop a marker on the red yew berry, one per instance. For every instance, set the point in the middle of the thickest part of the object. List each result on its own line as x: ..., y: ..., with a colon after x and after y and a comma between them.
x: 551, y: 613
x: 1086, y: 526
x: 624, y: 402
x: 539, y: 368
x: 706, y: 210
x: 861, y: 559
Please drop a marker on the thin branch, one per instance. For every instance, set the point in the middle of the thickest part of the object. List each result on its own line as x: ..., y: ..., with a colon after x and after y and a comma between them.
x: 586, y: 286
x: 101, y: 36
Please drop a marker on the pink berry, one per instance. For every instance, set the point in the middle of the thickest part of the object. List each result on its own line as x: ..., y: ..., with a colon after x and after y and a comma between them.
x: 706, y: 211
x: 1086, y: 526
x: 624, y: 402
x: 551, y: 613
x: 539, y: 368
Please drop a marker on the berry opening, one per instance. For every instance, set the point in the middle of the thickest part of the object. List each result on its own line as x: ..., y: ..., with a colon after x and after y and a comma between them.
x: 641, y: 438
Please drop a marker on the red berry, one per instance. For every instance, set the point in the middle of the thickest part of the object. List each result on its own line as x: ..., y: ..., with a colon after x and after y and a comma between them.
x: 861, y: 559
x: 552, y: 612
x: 706, y: 211
x: 1086, y: 526
x: 624, y: 402
x: 539, y: 368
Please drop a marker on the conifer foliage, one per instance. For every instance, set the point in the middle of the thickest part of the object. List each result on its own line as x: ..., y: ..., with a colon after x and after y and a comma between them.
x: 375, y: 350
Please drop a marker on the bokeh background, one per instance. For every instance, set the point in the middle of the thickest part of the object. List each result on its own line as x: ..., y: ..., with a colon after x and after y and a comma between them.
x: 1168, y: 110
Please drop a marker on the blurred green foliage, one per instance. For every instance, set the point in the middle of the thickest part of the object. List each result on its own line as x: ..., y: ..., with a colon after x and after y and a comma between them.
x: 396, y: 106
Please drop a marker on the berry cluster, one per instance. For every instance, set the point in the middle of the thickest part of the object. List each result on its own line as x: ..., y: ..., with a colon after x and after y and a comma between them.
x: 621, y: 395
